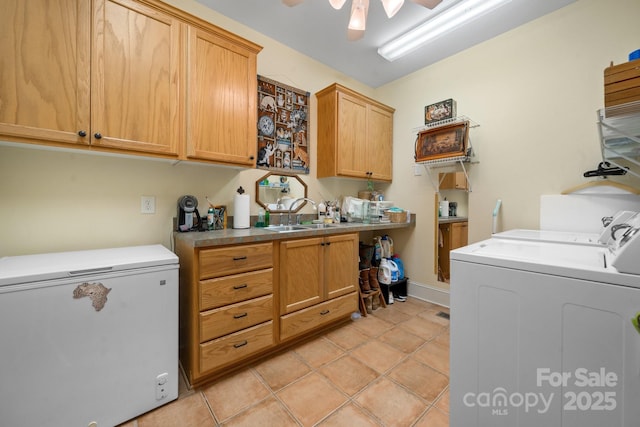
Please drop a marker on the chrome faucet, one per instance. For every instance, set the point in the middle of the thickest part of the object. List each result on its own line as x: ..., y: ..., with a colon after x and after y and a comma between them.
x: 294, y: 204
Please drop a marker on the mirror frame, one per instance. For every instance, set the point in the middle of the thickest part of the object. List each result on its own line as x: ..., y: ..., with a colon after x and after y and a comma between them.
x: 299, y: 205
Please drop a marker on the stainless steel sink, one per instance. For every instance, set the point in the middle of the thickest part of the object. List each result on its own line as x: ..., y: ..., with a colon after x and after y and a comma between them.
x: 285, y: 228
x: 319, y: 226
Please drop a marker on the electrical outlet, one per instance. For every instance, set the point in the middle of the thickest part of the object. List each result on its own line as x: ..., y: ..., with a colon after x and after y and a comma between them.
x: 147, y: 204
x: 417, y: 170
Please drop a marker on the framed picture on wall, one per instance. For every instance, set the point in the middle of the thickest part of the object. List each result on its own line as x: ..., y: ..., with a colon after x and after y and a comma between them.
x: 283, y: 127
x: 442, y: 142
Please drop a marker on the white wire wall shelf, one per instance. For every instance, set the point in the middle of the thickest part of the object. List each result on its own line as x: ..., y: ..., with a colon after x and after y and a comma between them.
x: 468, y: 157
x: 620, y: 138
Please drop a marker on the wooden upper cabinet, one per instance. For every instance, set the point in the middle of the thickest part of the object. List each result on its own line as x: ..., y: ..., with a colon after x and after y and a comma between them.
x: 351, y: 159
x: 380, y: 147
x: 136, y: 78
x: 453, y: 181
x: 130, y: 76
x: 44, y: 70
x: 222, y: 98
x: 355, y: 135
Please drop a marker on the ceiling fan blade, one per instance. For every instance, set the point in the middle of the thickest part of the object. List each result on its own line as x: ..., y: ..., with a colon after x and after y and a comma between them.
x: 354, y: 35
x: 429, y: 4
x: 292, y: 3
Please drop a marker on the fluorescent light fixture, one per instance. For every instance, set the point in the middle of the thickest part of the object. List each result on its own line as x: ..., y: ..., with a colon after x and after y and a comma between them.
x: 337, y: 4
x: 450, y: 19
x: 391, y: 7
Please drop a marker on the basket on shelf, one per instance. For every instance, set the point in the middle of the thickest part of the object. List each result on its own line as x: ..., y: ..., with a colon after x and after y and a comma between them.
x: 397, y: 216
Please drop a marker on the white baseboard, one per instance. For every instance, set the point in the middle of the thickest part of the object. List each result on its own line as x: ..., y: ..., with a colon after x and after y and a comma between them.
x: 428, y: 293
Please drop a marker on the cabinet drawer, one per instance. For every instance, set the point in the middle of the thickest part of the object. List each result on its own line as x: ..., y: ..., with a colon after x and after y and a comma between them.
x: 222, y: 321
x: 235, y: 347
x: 313, y: 317
x: 227, y: 260
x: 231, y: 289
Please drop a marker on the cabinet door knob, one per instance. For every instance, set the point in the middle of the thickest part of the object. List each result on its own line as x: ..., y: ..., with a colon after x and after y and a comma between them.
x: 97, y: 135
x: 251, y: 157
x: 82, y: 133
x: 324, y: 312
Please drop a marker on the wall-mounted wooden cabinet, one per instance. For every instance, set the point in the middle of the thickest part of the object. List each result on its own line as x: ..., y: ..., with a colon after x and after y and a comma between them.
x: 355, y: 135
x: 222, y: 99
x: 111, y: 75
x: 453, y: 181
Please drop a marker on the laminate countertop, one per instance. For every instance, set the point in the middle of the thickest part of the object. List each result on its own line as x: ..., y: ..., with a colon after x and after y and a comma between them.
x: 229, y: 236
x: 450, y: 219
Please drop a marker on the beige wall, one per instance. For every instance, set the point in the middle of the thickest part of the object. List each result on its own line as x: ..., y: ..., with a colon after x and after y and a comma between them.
x: 534, y: 91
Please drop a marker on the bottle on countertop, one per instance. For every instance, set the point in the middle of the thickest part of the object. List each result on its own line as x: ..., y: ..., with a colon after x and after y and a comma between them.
x: 322, y: 211
x: 260, y: 222
x: 210, y: 219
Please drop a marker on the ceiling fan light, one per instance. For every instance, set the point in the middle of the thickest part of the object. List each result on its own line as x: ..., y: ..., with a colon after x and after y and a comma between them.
x: 391, y: 7
x: 337, y: 4
x: 429, y: 4
x: 358, y: 20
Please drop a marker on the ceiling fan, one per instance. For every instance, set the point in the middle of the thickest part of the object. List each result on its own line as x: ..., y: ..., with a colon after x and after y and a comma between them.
x: 360, y: 8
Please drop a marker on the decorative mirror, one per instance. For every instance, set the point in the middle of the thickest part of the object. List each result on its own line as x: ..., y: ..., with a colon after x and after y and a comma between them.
x: 276, y: 192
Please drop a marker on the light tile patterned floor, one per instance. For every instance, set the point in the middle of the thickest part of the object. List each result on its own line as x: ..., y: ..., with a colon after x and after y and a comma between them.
x: 390, y: 368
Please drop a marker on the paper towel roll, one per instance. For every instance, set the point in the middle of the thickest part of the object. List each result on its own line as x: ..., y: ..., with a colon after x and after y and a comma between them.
x: 241, y: 211
x: 444, y: 209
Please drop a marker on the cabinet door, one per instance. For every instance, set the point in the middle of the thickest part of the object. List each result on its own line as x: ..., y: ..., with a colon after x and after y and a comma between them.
x: 44, y: 88
x: 222, y: 100
x: 135, y: 83
x: 341, y: 264
x: 352, y: 136
x: 301, y: 275
x: 453, y: 181
x: 443, y: 251
x: 459, y: 235
x: 380, y: 143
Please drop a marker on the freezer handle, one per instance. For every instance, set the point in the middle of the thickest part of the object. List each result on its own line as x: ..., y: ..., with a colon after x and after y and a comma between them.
x: 90, y: 271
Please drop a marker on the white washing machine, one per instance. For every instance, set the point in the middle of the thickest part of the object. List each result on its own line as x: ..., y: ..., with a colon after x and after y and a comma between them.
x: 545, y: 334
x: 612, y: 226
x: 569, y: 237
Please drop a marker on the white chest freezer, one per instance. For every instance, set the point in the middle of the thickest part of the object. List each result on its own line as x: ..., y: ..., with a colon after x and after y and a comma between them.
x: 87, y: 338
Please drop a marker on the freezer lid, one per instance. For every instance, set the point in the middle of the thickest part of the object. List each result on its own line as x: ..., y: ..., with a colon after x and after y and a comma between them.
x: 34, y: 268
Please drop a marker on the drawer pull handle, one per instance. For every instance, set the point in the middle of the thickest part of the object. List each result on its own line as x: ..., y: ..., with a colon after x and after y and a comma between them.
x: 240, y: 344
x: 239, y: 258
x: 244, y: 285
x: 239, y: 316
x: 323, y: 312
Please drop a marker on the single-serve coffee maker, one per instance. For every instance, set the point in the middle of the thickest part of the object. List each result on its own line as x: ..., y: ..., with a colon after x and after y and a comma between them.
x: 453, y: 209
x: 188, y: 215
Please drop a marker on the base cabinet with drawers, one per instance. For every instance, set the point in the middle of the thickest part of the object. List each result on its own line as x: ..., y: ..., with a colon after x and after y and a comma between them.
x: 226, y: 306
x: 241, y: 302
